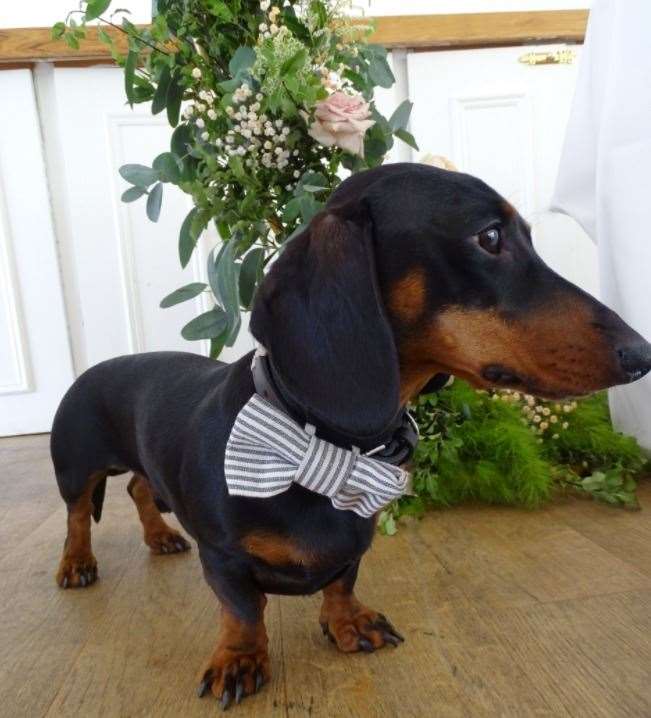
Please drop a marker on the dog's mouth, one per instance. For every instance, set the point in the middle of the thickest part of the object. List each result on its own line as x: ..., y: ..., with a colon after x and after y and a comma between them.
x: 504, y: 377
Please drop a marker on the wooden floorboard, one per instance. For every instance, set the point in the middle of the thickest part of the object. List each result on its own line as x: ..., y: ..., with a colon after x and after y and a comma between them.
x: 506, y: 613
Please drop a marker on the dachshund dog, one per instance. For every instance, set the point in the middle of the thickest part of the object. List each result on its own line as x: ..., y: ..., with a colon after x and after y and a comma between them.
x: 409, y: 272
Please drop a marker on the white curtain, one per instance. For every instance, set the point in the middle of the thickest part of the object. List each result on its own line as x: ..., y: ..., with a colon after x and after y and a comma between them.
x: 604, y: 179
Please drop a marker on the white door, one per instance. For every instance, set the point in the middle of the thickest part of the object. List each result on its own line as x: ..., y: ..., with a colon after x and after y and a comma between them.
x: 35, y: 363
x: 504, y: 122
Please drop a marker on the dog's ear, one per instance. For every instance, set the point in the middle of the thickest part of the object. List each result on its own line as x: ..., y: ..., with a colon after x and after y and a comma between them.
x: 320, y: 316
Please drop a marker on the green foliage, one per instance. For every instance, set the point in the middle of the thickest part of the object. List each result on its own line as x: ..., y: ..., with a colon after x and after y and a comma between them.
x: 510, y: 448
x: 249, y: 75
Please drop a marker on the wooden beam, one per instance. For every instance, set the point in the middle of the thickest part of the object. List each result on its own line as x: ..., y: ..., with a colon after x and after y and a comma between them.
x: 480, y: 29
x: 35, y: 44
x: 421, y: 32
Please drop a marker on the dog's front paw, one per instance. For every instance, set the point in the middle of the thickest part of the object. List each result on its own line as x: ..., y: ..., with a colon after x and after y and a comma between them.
x: 354, y: 627
x: 77, y: 571
x: 232, y: 675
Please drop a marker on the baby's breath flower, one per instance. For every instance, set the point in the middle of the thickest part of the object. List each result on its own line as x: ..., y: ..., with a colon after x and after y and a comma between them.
x: 565, y: 424
x: 196, y: 73
x: 536, y: 419
x: 546, y: 411
x: 554, y: 436
x: 200, y: 123
x: 263, y: 27
x: 553, y: 418
x: 543, y: 425
x: 212, y: 114
x: 205, y: 136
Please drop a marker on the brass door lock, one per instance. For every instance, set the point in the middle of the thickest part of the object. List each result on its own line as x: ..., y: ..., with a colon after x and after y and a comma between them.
x: 557, y: 57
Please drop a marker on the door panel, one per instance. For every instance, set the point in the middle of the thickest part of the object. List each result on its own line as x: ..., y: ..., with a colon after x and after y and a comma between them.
x: 35, y: 363
x: 505, y: 122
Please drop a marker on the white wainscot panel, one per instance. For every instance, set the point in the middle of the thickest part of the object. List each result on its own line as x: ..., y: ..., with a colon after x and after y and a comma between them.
x: 506, y: 160
x: 14, y: 372
x: 148, y: 252
x: 35, y: 366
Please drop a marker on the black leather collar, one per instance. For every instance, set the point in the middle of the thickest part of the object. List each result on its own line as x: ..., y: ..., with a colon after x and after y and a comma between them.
x: 395, y: 445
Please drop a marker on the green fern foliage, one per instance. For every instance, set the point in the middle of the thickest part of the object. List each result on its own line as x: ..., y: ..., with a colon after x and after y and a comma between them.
x: 514, y: 449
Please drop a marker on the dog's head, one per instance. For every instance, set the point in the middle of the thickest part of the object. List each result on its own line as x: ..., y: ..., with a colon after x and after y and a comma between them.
x: 412, y: 271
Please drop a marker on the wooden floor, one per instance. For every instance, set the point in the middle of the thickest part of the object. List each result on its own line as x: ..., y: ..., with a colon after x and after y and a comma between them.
x: 506, y: 613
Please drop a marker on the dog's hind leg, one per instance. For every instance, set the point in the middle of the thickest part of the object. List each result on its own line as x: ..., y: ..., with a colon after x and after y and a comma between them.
x: 160, y: 537
x: 78, y: 567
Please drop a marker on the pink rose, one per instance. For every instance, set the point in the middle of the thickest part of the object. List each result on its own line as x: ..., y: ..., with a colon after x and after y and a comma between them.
x: 342, y: 120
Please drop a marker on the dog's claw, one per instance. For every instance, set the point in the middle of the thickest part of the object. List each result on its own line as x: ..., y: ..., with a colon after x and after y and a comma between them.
x: 203, y: 687
x: 239, y: 691
x: 387, y: 628
x: 259, y: 680
x: 365, y: 645
x: 390, y: 638
x: 225, y: 700
x: 64, y: 583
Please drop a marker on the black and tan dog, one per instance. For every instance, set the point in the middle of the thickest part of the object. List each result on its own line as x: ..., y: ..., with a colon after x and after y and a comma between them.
x: 410, y: 271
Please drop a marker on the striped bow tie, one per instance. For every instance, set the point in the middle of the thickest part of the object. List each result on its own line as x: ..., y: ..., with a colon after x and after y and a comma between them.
x: 267, y: 451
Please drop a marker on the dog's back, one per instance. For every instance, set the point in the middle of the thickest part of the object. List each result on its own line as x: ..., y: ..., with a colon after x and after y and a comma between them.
x: 107, y: 413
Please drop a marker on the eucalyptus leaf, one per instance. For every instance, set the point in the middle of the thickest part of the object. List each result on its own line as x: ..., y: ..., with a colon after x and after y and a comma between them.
x: 181, y: 140
x: 154, y: 202
x: 168, y: 167
x: 206, y: 326
x: 173, y: 99
x: 217, y: 344
x: 228, y: 289
x: 132, y: 194
x: 191, y: 229
x: 379, y: 71
x: 250, y: 273
x: 129, y: 73
x: 183, y: 294
x: 160, y: 96
x: 139, y: 175
x: 407, y: 138
x: 400, y: 117
x: 243, y: 58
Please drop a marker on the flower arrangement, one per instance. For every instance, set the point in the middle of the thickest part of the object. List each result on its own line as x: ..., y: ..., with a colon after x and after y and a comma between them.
x: 268, y: 103
x: 506, y: 447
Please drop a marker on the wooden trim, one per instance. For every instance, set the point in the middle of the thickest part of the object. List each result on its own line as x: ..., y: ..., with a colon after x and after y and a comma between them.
x: 489, y: 29
x: 23, y: 45
x: 35, y: 44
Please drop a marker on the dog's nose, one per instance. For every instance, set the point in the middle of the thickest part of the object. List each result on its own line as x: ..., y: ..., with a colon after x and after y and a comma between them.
x: 635, y: 360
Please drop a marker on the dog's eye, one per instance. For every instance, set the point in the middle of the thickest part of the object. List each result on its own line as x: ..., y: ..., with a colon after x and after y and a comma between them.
x: 490, y: 240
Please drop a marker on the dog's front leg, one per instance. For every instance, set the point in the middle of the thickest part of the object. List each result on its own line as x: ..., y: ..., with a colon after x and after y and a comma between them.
x: 349, y: 623
x: 239, y: 665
